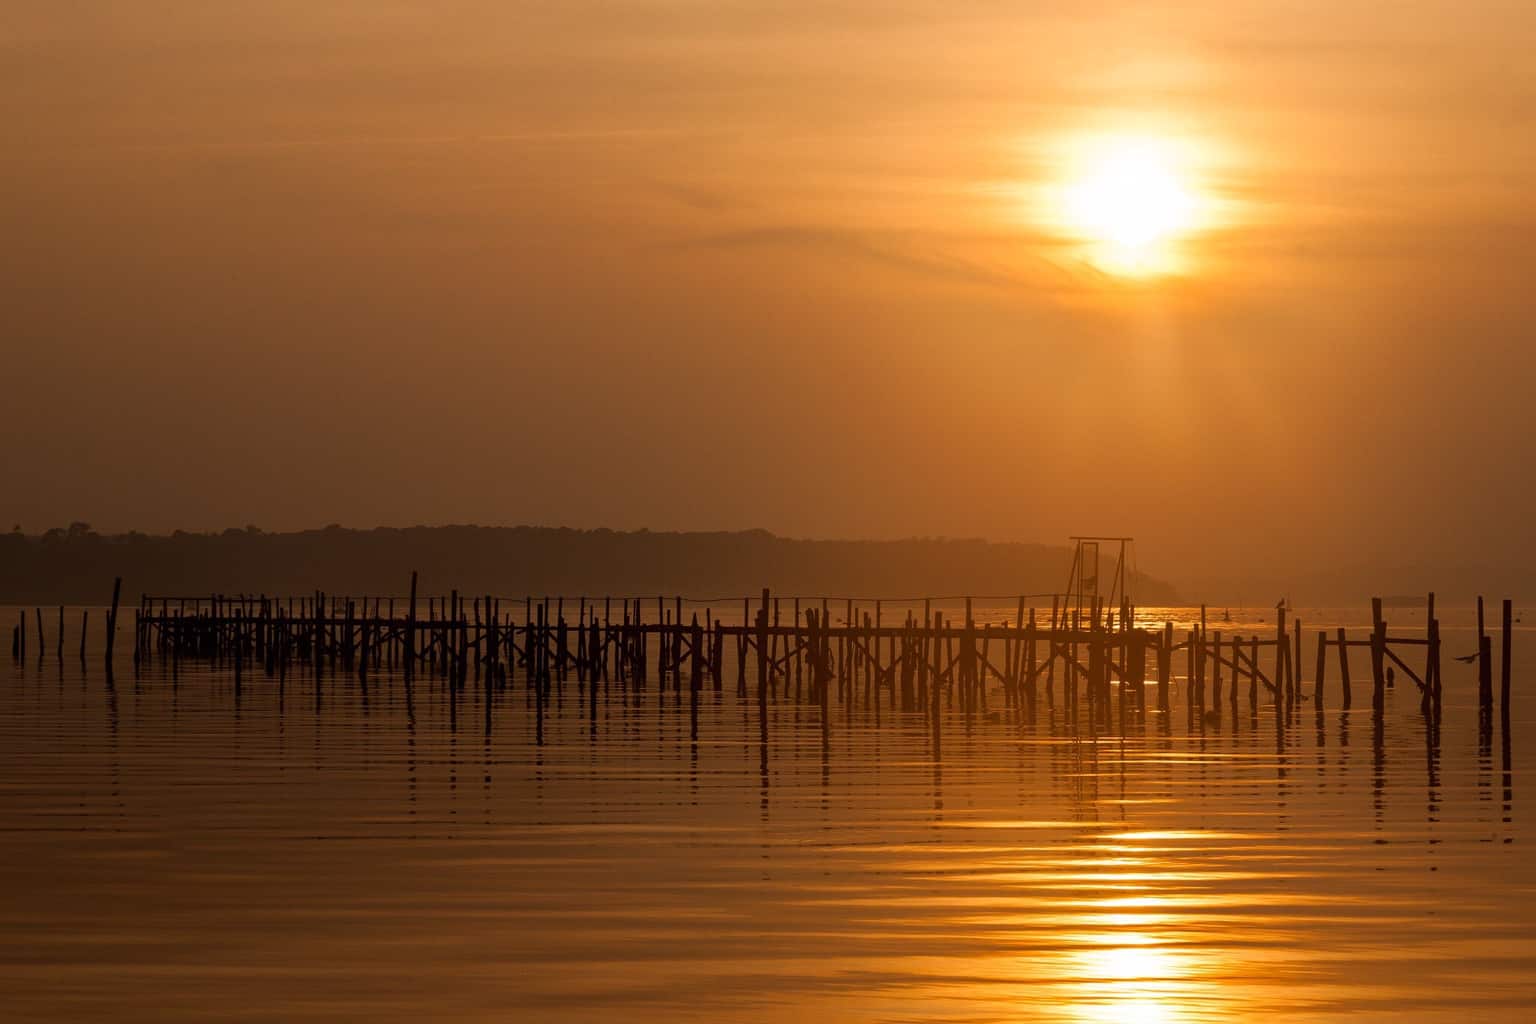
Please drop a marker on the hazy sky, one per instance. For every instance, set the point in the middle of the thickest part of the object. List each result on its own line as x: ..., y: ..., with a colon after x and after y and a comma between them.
x: 716, y: 264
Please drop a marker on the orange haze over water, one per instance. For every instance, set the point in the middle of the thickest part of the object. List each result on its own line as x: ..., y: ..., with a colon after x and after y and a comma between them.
x: 803, y: 267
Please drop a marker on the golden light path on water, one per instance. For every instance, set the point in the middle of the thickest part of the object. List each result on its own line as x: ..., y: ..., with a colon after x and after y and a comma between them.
x: 1110, y: 959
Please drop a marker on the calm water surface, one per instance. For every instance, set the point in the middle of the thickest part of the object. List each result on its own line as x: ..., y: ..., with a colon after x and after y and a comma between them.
x: 175, y: 850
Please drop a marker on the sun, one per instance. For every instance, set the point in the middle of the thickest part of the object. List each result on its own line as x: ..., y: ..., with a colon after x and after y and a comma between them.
x: 1131, y: 200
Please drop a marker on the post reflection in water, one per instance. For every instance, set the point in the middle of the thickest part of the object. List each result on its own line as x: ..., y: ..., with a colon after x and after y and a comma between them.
x: 646, y: 855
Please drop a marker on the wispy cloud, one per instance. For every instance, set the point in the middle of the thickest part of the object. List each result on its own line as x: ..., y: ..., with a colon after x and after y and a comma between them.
x: 918, y: 253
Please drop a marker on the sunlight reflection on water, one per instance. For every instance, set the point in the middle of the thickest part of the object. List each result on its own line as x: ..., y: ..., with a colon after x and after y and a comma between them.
x: 180, y: 850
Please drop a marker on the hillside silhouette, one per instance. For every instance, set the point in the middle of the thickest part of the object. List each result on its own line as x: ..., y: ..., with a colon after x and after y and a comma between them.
x: 76, y: 565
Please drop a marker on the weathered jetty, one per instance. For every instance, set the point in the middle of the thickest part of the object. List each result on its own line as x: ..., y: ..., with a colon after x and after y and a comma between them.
x: 1095, y: 657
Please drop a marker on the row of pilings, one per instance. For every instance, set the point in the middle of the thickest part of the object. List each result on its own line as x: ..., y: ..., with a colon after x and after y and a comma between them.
x: 802, y: 649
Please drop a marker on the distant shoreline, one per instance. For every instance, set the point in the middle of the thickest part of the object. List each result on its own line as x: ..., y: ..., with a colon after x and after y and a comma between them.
x: 77, y: 565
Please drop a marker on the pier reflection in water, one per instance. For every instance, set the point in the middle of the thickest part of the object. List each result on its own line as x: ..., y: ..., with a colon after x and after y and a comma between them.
x: 178, y: 849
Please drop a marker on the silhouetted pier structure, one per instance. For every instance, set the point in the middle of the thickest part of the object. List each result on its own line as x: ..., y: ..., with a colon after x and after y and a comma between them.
x: 1097, y: 655
x: 1053, y: 648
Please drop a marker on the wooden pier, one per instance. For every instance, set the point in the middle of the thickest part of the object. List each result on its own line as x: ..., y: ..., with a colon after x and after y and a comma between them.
x: 1098, y: 660
x: 1101, y: 660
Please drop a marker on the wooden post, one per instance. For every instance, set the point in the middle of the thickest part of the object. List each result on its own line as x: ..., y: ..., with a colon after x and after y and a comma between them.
x: 1237, y: 673
x: 1281, y: 649
x: 935, y: 712
x: 741, y: 647
x: 1322, y: 668
x: 822, y: 653
x: 717, y: 658
x: 1031, y: 641
x: 941, y: 658
x: 1485, y: 673
x: 1294, y: 662
x: 1136, y: 670
x: 318, y: 627
x: 1253, y: 674
x: 1434, y: 661
x: 762, y: 650
x: 1378, y: 656
x: 695, y: 654
x: 1344, y: 667
x: 117, y: 590
x: 1164, y: 666
x: 239, y: 645
x: 968, y: 660
x: 1508, y: 613
x: 1216, y: 672
x: 1202, y: 653
x: 1189, y: 677
x: 410, y: 629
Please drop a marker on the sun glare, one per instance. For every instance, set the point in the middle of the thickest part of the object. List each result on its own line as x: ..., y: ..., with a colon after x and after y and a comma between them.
x: 1132, y: 201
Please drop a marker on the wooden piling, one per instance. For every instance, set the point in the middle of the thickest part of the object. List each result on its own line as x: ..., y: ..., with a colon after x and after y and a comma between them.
x: 117, y: 590
x: 410, y: 629
x: 1343, y: 645
x: 1281, y: 649
x: 1216, y: 672
x: 1378, y: 656
x: 1485, y: 673
x: 1322, y: 669
x: 1505, y: 644
x: 1164, y: 666
x: 762, y: 649
x: 1294, y: 662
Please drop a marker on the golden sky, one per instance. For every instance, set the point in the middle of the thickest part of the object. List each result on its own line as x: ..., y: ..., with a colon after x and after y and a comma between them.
x: 714, y: 264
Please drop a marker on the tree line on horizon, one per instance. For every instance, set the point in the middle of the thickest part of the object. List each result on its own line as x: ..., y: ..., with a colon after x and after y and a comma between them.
x: 75, y: 564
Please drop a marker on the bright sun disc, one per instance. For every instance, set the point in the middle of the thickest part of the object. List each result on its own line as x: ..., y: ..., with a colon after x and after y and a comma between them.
x: 1129, y: 199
